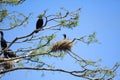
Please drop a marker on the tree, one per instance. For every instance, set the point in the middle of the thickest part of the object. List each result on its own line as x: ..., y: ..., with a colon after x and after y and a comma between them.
x: 48, y: 47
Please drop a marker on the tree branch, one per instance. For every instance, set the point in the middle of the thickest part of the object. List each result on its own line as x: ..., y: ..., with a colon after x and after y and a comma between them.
x: 74, y: 73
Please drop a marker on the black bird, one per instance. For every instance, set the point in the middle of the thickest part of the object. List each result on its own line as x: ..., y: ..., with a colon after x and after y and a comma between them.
x: 9, y: 54
x: 64, y: 35
x: 3, y: 41
x: 39, y: 23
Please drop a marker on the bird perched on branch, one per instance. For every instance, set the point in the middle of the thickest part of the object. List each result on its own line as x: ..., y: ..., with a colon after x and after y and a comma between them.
x: 9, y: 54
x: 3, y: 41
x: 39, y: 24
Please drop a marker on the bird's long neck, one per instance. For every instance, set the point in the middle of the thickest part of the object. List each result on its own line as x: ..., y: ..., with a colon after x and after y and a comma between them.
x: 64, y: 36
x: 2, y: 35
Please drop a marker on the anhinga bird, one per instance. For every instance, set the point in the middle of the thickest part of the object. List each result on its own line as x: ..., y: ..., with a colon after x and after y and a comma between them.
x: 9, y: 54
x: 64, y: 35
x: 39, y: 23
x: 3, y: 41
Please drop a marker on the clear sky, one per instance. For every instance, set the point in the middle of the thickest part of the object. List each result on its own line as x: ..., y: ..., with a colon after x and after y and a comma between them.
x: 101, y: 16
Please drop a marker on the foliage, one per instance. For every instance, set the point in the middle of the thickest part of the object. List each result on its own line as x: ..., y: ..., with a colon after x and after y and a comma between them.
x: 12, y: 2
x: 31, y: 58
x: 3, y: 14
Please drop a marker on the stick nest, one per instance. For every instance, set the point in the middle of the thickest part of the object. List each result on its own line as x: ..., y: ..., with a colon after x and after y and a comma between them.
x: 62, y: 45
x: 6, y: 64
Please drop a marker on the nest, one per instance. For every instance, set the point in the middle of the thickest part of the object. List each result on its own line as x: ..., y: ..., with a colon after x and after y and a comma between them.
x: 6, y: 64
x: 62, y: 45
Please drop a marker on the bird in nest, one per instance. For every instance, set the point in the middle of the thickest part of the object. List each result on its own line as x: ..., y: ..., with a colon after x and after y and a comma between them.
x: 6, y: 64
x: 62, y: 45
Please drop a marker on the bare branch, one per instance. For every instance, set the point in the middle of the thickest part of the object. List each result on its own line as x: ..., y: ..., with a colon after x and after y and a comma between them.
x: 74, y: 73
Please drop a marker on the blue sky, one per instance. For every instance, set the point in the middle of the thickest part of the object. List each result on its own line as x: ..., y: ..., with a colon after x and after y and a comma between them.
x: 101, y: 16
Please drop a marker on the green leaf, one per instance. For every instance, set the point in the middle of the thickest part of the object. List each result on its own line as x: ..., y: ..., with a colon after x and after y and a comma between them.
x: 20, y: 64
x: 3, y: 14
x: 13, y: 25
x: 36, y: 58
x: 63, y: 22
